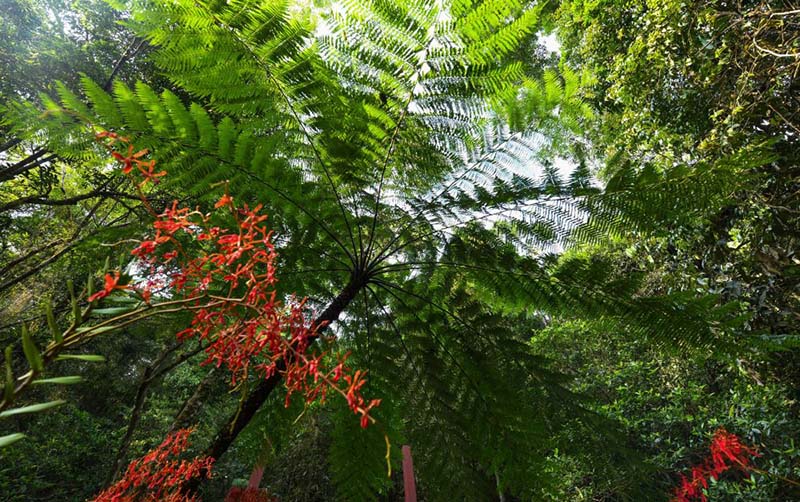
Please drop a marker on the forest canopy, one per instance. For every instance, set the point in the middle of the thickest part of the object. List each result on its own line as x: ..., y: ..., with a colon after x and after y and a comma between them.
x: 252, y: 248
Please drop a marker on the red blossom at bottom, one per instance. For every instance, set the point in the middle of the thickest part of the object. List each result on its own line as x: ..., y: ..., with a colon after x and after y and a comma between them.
x: 159, y: 475
x: 727, y: 452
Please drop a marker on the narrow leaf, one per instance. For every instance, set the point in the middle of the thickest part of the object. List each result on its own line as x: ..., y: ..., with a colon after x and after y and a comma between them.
x: 76, y: 311
x: 51, y: 322
x: 95, y: 330
x: 92, y: 358
x: 112, y: 311
x: 90, y: 286
x: 34, y: 408
x: 65, y: 380
x: 31, y: 352
x: 10, y: 439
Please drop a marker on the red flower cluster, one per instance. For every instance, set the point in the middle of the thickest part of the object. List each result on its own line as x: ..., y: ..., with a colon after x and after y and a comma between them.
x: 232, y: 278
x: 158, y: 476
x: 727, y: 452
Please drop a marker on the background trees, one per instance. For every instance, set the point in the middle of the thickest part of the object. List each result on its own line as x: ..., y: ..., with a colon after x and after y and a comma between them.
x: 410, y: 157
x: 680, y: 86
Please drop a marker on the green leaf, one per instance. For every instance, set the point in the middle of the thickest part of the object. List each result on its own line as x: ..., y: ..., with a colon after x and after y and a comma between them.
x: 51, y: 322
x: 65, y: 380
x: 10, y: 439
x: 31, y: 352
x: 34, y: 408
x: 70, y: 100
x: 123, y: 300
x: 102, y: 103
x: 95, y: 330
x: 92, y: 358
x: 76, y: 311
x: 112, y: 311
x: 90, y: 286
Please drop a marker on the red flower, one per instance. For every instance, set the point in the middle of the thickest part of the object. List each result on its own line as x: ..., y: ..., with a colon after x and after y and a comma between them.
x: 145, y: 248
x: 146, y: 168
x: 126, y: 161
x: 225, y: 200
x: 148, y: 172
x: 110, y: 285
x: 725, y: 447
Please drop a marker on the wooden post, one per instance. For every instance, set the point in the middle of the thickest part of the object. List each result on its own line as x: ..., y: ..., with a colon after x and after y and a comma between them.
x: 255, y: 477
x: 410, y: 487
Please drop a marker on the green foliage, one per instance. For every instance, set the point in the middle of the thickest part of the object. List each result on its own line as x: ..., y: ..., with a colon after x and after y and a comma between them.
x: 669, y: 406
x: 357, y: 459
x: 44, y: 41
x: 48, y: 463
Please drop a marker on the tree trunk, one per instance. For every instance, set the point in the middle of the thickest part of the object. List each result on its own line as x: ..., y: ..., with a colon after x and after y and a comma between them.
x: 188, y: 411
x: 136, y: 413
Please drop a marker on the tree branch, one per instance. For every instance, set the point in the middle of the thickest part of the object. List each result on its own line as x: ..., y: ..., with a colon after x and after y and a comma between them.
x: 26, y: 164
x: 41, y: 201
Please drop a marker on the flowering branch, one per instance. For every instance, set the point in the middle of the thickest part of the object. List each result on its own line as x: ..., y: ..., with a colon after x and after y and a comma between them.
x: 727, y: 452
x: 196, y: 255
